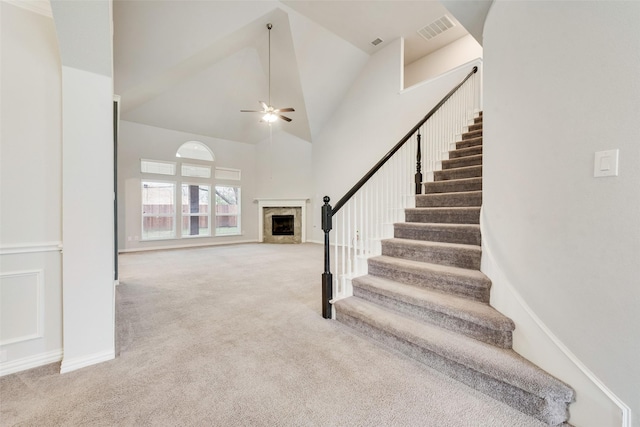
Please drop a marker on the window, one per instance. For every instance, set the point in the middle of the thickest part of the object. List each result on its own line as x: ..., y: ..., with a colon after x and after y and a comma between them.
x: 195, y: 150
x: 196, y: 171
x: 228, y: 173
x: 158, y: 210
x: 227, y: 210
x: 158, y: 167
x: 195, y: 210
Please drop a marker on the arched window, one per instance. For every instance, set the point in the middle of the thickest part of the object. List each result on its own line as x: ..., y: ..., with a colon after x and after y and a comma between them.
x: 195, y: 150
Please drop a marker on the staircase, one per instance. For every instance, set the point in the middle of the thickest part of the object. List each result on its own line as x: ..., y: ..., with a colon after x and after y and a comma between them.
x: 426, y: 297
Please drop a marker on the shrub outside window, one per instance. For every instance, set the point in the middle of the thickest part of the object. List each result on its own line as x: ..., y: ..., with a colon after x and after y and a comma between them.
x: 158, y: 210
x: 196, y: 213
x: 227, y: 210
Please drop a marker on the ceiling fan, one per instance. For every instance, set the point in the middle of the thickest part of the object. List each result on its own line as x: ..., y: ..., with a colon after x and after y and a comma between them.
x: 269, y: 112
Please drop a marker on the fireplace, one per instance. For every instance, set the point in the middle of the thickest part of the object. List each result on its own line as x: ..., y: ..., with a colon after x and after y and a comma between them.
x: 282, y: 225
x: 277, y: 218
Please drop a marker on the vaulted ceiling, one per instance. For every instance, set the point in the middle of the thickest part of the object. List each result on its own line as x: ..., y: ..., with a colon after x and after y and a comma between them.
x: 193, y: 65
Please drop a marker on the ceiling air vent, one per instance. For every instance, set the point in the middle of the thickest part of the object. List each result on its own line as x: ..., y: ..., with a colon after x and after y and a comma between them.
x: 437, y: 27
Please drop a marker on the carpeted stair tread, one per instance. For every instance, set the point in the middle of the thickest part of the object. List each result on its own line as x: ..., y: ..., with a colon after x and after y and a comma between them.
x: 500, y: 373
x: 458, y: 173
x: 469, y: 142
x: 464, y: 282
x: 449, y: 215
x: 456, y: 199
x: 465, y: 152
x: 452, y: 254
x: 452, y: 233
x: 460, y: 162
x: 474, y: 126
x: 472, y: 134
x: 454, y: 185
x: 472, y: 318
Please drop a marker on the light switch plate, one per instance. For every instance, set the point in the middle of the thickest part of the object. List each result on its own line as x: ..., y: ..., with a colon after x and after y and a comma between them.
x: 606, y: 163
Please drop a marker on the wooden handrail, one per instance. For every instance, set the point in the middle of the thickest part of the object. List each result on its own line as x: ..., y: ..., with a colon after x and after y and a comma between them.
x: 396, y: 147
x: 328, y: 211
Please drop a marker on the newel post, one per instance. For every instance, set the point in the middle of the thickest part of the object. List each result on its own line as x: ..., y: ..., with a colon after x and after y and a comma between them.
x: 327, y: 279
x: 418, y: 177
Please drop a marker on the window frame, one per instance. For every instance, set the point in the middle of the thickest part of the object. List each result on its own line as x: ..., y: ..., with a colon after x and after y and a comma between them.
x: 165, y: 162
x: 144, y: 215
x: 238, y: 215
x: 208, y: 214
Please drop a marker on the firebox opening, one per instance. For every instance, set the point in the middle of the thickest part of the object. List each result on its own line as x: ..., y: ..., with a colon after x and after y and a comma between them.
x: 282, y: 225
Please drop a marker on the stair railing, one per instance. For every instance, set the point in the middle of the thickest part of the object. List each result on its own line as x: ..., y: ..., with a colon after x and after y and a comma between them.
x: 365, y: 215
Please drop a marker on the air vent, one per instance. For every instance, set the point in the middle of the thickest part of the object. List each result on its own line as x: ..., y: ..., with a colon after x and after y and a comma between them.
x: 436, y: 28
x: 377, y: 41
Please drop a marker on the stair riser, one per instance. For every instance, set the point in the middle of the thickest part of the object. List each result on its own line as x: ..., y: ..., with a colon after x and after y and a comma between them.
x: 461, y: 173
x: 469, y: 143
x: 502, y: 339
x: 464, y: 236
x: 474, y: 126
x: 451, y: 200
x: 467, y: 288
x: 462, y: 162
x: 464, y: 152
x: 548, y: 411
x: 452, y: 186
x: 443, y: 216
x: 454, y: 257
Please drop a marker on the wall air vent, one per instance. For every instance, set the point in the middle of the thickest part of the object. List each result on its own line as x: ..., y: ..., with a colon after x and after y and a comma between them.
x: 436, y: 28
x: 377, y: 41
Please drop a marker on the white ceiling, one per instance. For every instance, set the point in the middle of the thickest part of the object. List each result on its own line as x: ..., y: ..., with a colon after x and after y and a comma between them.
x: 192, y: 65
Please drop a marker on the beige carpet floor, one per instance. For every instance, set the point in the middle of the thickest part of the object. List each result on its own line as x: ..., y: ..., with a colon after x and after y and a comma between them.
x: 233, y: 336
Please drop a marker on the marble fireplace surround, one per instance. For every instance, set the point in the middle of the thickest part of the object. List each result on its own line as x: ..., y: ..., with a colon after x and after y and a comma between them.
x: 282, y: 203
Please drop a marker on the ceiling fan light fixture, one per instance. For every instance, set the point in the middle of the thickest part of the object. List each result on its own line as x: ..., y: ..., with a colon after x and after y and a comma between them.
x: 270, y: 117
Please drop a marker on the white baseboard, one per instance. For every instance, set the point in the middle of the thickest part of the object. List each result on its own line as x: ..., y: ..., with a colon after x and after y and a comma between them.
x: 69, y: 365
x: 199, y: 245
x: 30, y: 362
x: 506, y: 299
x: 317, y: 242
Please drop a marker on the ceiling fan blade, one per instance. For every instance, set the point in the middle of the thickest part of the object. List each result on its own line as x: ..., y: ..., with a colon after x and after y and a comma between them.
x: 251, y: 111
x: 284, y: 110
x: 284, y: 118
x: 265, y: 107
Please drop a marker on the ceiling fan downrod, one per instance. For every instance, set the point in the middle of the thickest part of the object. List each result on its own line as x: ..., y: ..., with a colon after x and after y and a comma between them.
x: 271, y: 113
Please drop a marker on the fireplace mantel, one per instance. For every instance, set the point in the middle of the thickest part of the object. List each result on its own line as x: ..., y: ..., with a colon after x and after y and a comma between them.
x: 282, y: 203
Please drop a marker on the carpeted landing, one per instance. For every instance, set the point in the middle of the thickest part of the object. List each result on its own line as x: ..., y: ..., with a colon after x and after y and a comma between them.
x: 233, y: 336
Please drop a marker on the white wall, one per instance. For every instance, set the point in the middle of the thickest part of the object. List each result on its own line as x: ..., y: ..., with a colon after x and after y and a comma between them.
x: 87, y: 223
x: 137, y: 141
x: 373, y: 117
x: 87, y: 181
x: 459, y: 52
x: 561, y: 82
x: 30, y: 186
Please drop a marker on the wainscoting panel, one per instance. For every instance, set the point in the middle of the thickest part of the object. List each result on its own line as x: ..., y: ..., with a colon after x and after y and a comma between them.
x: 21, y: 306
x: 30, y: 306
